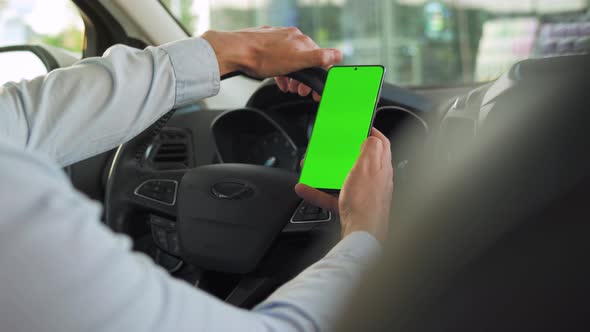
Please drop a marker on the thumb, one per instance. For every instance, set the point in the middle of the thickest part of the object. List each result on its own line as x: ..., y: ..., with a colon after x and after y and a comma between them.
x: 370, y: 156
x: 317, y: 197
x: 321, y: 57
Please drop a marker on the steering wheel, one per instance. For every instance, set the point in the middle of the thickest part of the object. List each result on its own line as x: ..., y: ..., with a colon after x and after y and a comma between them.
x: 219, y: 217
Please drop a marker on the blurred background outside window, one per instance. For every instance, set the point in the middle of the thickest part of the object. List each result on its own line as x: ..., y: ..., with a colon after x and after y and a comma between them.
x: 422, y: 43
x: 50, y: 22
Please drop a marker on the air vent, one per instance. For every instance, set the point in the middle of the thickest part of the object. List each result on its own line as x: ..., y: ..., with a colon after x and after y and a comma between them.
x: 172, y: 149
x: 172, y: 153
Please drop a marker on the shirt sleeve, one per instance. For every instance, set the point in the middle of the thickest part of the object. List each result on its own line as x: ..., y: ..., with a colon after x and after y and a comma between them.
x: 65, y: 271
x: 73, y: 113
x: 321, y: 292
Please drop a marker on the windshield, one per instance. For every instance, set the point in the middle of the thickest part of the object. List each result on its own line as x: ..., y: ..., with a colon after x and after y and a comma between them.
x: 56, y: 23
x: 421, y: 43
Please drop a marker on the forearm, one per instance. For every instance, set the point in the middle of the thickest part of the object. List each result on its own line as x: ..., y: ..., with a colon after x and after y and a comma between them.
x: 102, y: 286
x: 66, y: 254
x: 315, y: 298
x: 74, y: 113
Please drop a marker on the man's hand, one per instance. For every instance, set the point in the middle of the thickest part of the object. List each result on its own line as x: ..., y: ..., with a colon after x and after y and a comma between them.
x: 270, y: 52
x: 365, y: 198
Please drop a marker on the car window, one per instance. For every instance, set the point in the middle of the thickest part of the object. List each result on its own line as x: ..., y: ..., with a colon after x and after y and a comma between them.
x: 420, y: 42
x: 18, y: 65
x: 50, y: 22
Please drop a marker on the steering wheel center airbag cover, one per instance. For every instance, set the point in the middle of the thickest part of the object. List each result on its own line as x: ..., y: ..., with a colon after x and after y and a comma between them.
x: 230, y: 214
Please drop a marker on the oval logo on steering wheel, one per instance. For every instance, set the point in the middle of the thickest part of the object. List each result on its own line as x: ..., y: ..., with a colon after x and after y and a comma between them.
x: 232, y: 190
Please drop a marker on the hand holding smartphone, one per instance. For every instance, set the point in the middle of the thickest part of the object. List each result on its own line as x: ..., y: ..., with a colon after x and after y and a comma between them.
x: 343, y: 122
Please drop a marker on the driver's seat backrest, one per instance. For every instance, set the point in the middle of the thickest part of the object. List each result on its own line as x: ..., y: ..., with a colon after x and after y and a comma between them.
x: 535, y: 278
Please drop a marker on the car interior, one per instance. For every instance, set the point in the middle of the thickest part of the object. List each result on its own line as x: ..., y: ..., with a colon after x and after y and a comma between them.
x: 489, y: 222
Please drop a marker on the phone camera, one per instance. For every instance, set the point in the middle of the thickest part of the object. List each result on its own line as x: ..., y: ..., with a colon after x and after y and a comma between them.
x: 355, y: 68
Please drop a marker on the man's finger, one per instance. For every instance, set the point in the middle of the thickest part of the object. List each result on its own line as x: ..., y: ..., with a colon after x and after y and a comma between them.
x: 293, y: 86
x: 321, y: 57
x: 371, y: 153
x: 316, y: 96
x: 317, y: 198
x: 386, y: 144
x: 304, y: 90
x: 282, y: 83
x: 376, y: 133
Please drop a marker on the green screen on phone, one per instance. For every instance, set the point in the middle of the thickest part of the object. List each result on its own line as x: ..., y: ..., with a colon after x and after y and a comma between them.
x: 342, y: 124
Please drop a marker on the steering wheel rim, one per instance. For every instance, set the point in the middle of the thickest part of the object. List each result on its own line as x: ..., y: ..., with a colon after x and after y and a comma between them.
x: 129, y: 171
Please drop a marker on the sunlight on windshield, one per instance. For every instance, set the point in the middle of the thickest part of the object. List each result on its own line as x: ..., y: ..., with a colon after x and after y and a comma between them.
x: 50, y: 22
x: 420, y: 42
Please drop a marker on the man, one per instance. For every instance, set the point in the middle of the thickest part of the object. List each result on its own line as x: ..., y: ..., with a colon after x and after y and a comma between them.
x: 65, y: 271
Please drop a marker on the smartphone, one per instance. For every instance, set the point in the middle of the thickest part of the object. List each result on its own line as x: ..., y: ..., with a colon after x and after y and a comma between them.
x: 343, y: 122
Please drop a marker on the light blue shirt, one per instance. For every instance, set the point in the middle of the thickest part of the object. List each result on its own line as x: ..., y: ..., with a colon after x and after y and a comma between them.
x: 62, y: 269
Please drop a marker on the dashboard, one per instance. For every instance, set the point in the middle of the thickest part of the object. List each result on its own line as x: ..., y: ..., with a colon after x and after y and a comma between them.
x: 249, y: 136
x: 274, y: 129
